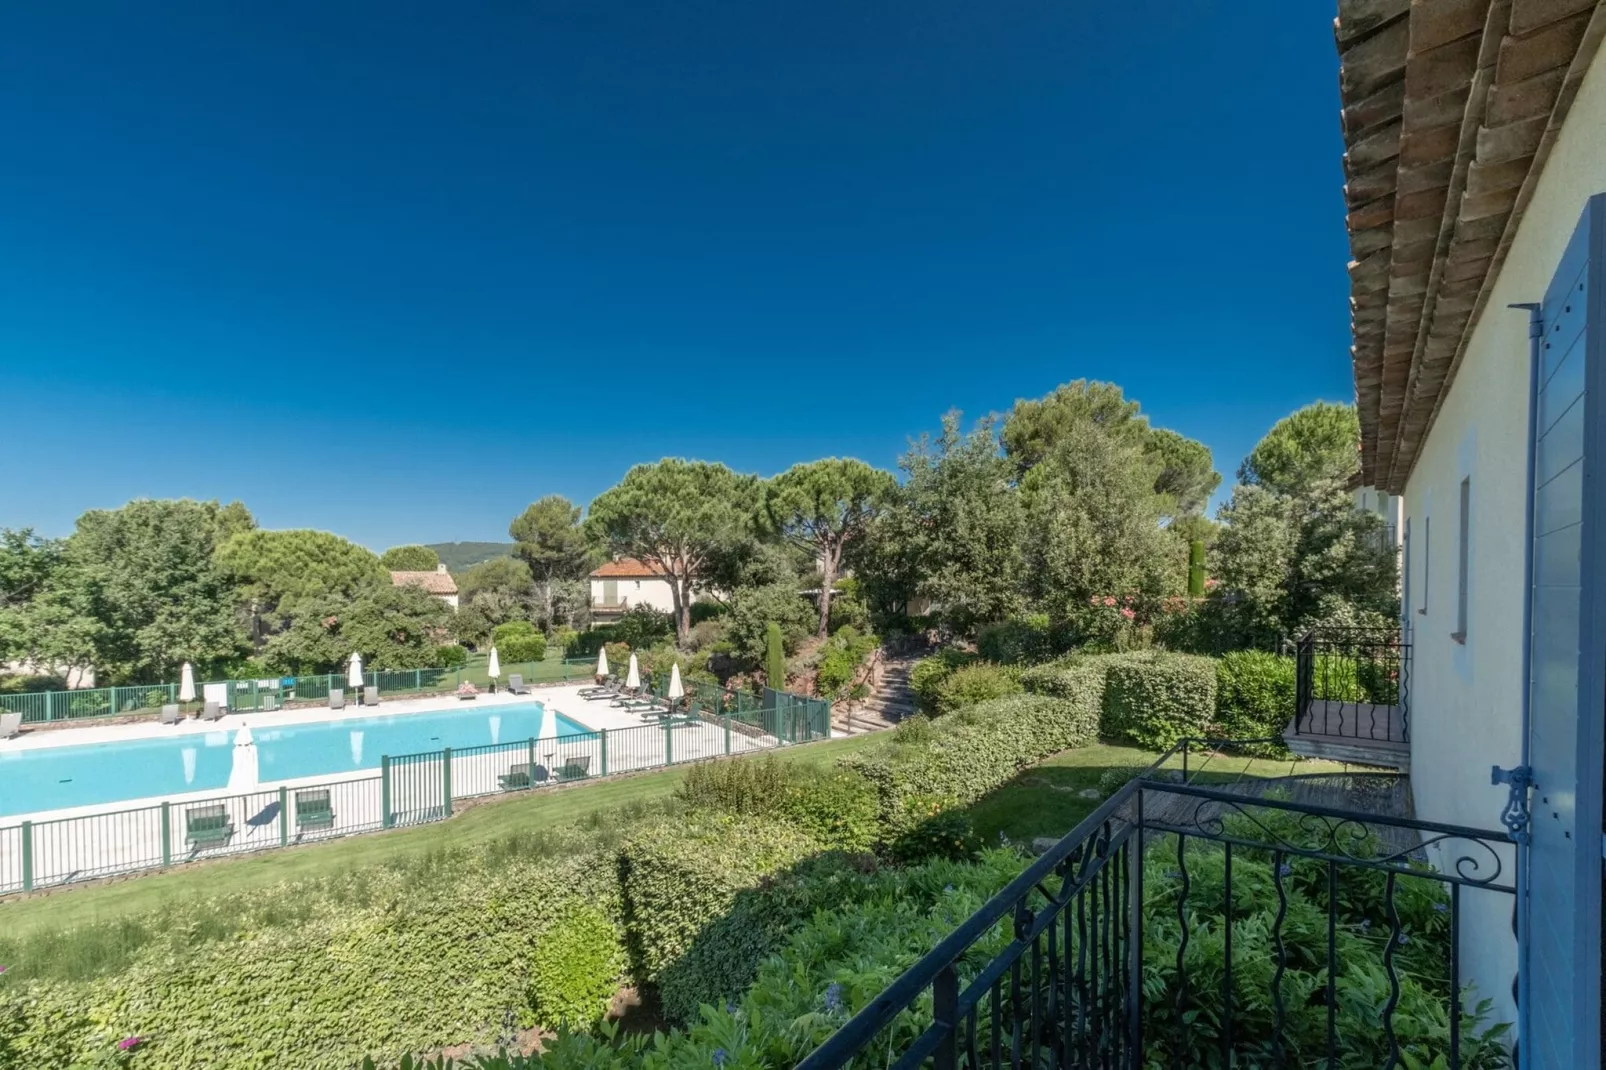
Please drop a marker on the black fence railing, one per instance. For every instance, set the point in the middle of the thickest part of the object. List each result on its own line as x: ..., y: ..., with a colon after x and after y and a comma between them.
x: 1182, y: 925
x: 1353, y: 683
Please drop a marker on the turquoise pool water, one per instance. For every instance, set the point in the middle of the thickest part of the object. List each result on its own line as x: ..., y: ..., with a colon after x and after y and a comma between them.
x: 48, y: 778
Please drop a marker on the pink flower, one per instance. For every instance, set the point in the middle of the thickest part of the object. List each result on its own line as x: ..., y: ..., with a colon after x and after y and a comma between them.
x: 1128, y: 613
x: 1093, y: 601
x: 129, y: 1043
x: 1109, y: 600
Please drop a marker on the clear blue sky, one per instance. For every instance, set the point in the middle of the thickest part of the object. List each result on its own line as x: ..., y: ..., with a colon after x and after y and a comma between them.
x: 395, y: 270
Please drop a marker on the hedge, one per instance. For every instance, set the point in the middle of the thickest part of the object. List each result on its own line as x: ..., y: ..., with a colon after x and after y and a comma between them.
x: 1254, y: 695
x: 972, y: 684
x: 1019, y: 640
x: 380, y: 961
x: 958, y: 759
x: 1157, y: 699
x: 928, y: 674
x: 679, y: 877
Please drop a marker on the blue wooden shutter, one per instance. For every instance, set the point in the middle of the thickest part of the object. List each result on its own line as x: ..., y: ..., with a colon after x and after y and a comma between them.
x: 1567, y: 698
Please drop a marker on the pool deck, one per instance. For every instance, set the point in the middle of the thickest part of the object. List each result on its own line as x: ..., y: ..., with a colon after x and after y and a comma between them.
x: 83, y: 842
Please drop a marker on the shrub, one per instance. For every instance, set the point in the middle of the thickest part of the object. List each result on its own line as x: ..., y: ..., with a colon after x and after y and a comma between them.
x: 1020, y: 640
x: 1337, y: 678
x: 838, y: 809
x: 702, y: 612
x: 959, y: 759
x: 575, y: 966
x: 975, y: 683
x: 678, y: 877
x: 90, y: 703
x: 774, y: 658
x: 519, y: 640
x: 322, y: 972
x: 841, y: 659
x: 18, y: 684
x: 1254, y: 695
x: 451, y: 656
x: 1157, y: 699
x: 754, y: 609
x: 1117, y: 777
x: 927, y: 674
x: 724, y: 960
x: 641, y: 626
x: 934, y: 833
x: 586, y: 644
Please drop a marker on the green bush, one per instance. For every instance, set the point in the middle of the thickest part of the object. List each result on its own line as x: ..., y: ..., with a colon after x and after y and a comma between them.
x: 724, y: 960
x: 1021, y: 640
x: 837, y: 809
x: 678, y: 877
x: 841, y: 660
x: 90, y: 703
x: 930, y: 832
x: 958, y: 759
x: 519, y: 640
x: 1154, y: 700
x: 1254, y: 695
x: 575, y: 966
x: 21, y: 684
x: 586, y: 644
x: 927, y: 675
x: 975, y: 683
x: 318, y: 974
x: 1338, y: 678
x: 641, y: 626
x: 450, y: 656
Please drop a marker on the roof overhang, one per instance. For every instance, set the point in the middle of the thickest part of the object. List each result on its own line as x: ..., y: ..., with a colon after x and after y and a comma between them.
x: 1450, y: 108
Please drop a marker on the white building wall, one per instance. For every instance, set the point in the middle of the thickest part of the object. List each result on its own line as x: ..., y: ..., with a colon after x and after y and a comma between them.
x: 1466, y: 698
x: 647, y: 591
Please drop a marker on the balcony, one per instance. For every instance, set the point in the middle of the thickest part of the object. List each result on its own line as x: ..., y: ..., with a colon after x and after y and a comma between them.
x: 1352, y: 697
x: 1190, y: 926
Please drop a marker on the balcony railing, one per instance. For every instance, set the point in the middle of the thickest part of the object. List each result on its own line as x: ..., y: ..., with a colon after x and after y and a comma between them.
x: 1190, y: 926
x: 1352, y: 695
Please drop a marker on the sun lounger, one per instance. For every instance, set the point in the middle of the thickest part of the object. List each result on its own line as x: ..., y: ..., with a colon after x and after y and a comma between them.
x: 171, y: 714
x: 208, y: 826
x: 10, y: 725
x: 516, y: 684
x: 576, y: 768
x: 314, y: 810
x: 370, y: 696
x: 337, y: 699
x: 212, y: 711
x: 524, y: 775
x: 606, y: 689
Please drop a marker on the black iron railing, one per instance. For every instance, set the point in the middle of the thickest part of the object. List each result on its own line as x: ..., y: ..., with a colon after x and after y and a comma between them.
x: 1353, y: 683
x: 1189, y: 926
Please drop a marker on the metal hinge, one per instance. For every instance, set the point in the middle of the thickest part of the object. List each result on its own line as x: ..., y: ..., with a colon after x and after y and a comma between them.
x: 1515, y: 814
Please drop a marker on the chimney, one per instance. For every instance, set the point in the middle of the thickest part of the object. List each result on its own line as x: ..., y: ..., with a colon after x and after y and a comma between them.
x: 440, y: 569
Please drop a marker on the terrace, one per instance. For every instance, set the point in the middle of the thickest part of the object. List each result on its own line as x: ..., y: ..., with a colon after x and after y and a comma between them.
x: 1352, y: 697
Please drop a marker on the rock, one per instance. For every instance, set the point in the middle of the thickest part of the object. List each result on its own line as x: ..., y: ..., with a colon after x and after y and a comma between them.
x: 1090, y: 793
x: 1043, y: 845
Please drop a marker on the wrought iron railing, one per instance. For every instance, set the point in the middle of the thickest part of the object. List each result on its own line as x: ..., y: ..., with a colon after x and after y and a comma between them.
x: 1353, y: 683
x: 1182, y: 925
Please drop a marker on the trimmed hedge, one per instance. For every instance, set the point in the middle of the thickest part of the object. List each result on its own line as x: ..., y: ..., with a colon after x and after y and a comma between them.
x: 975, y: 683
x: 680, y: 876
x: 1254, y: 695
x: 928, y: 674
x: 375, y: 961
x: 1019, y: 640
x: 1157, y: 699
x: 958, y: 759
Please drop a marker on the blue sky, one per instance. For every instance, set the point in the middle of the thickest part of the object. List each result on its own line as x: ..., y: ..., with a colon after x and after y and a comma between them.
x: 395, y: 270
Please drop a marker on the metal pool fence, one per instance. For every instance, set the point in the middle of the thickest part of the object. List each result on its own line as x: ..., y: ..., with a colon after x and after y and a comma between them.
x: 254, y: 696
x: 411, y: 789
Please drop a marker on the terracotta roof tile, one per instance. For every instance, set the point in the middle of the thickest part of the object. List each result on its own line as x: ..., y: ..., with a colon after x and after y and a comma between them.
x: 433, y: 582
x: 627, y: 568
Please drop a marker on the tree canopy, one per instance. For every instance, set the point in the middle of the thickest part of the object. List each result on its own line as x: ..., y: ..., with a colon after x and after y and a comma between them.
x: 275, y: 571
x: 821, y: 507
x: 392, y: 627
x: 676, y: 514
x: 410, y: 559
x: 553, y: 545
x: 1315, y: 445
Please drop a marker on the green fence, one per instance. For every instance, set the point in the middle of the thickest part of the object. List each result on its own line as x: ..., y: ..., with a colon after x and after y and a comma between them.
x: 411, y: 789
x: 272, y: 693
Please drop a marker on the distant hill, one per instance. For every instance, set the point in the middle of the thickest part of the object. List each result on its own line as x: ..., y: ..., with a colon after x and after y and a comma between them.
x: 458, y: 556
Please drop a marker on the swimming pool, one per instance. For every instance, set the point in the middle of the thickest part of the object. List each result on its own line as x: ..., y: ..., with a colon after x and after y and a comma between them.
x: 49, y: 778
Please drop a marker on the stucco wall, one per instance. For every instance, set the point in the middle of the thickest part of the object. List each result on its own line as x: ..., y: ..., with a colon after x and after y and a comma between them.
x: 1466, y: 698
x: 633, y: 592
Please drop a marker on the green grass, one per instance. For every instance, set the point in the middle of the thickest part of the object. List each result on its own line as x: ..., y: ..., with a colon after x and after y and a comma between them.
x: 1045, y: 801
x: 503, y: 820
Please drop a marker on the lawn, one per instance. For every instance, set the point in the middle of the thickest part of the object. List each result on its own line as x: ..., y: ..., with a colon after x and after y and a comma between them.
x: 1045, y: 800
x: 490, y: 821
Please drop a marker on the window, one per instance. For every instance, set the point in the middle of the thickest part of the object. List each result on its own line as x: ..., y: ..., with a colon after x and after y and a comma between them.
x: 1462, y: 556
x: 1427, y: 560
